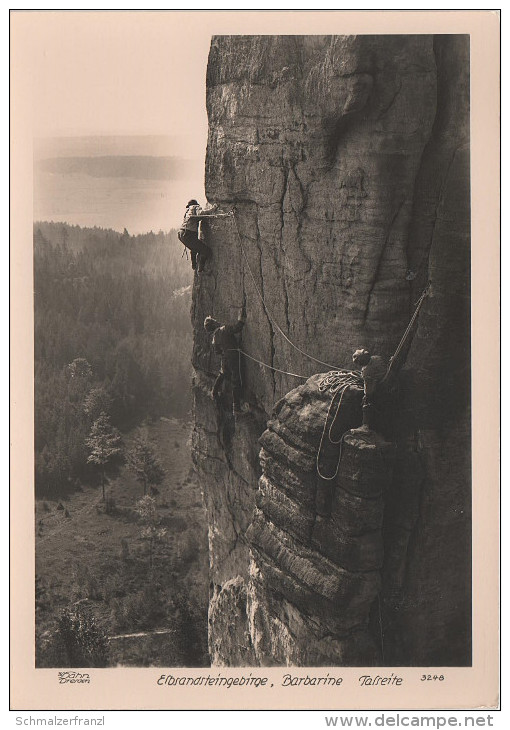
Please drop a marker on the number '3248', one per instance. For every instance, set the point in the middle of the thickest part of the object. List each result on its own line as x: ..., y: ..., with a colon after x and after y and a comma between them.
x: 432, y: 677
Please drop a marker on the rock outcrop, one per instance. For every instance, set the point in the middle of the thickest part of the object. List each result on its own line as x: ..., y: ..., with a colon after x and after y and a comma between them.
x: 347, y: 161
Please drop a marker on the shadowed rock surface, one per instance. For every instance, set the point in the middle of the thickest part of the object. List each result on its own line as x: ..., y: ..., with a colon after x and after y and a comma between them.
x: 347, y: 160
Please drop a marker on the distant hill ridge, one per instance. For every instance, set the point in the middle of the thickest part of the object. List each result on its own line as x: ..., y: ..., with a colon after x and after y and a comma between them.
x: 134, y: 166
x: 112, y: 145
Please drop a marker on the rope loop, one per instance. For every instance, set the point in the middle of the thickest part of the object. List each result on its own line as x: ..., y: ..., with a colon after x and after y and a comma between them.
x: 319, y: 451
x: 335, y: 382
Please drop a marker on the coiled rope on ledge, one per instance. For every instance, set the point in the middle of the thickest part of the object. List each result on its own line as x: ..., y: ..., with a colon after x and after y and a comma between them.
x: 335, y: 379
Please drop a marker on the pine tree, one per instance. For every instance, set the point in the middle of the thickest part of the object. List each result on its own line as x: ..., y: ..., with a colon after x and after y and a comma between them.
x: 79, y: 368
x: 98, y: 400
x: 151, y: 529
x: 104, y: 443
x: 143, y: 462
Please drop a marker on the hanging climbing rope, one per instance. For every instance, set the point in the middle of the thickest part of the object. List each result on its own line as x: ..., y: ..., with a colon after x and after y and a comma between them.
x: 336, y: 368
x: 268, y: 313
x: 270, y: 367
x: 337, y: 380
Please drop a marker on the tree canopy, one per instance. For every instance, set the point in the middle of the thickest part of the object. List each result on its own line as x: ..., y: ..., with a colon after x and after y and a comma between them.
x: 112, y: 334
x: 104, y: 443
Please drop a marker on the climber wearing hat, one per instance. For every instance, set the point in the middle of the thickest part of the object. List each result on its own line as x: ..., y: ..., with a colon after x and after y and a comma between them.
x: 225, y: 344
x: 189, y: 234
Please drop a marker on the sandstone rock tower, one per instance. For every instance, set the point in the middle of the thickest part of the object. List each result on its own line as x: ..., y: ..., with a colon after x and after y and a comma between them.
x: 347, y: 161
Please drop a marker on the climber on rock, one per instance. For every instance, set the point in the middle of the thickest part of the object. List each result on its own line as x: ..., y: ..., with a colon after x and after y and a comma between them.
x: 374, y: 370
x: 190, y: 235
x: 225, y: 343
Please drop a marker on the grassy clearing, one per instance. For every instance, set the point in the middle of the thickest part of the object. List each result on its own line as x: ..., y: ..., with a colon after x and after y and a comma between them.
x: 97, y: 561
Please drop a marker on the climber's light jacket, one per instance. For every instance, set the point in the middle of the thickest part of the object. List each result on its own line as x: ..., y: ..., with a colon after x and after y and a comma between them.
x: 190, y: 223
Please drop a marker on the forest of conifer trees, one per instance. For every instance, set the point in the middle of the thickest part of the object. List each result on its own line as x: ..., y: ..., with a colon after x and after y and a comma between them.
x: 112, y: 329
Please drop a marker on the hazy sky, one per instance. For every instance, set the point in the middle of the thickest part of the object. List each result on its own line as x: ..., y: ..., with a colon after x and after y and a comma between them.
x: 117, y: 73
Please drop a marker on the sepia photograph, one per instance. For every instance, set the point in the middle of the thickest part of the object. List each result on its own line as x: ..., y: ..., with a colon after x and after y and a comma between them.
x: 253, y: 341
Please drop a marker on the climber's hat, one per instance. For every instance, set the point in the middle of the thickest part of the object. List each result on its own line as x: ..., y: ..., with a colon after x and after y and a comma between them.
x: 211, y: 324
x: 361, y: 357
x: 191, y: 202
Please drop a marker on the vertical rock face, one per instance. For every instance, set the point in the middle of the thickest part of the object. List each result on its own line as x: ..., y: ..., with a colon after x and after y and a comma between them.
x: 347, y: 161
